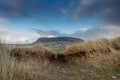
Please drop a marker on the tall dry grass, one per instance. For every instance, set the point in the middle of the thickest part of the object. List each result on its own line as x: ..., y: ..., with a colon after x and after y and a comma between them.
x: 90, y: 47
x: 95, y: 52
x: 98, y: 53
x: 11, y: 70
x: 35, y: 52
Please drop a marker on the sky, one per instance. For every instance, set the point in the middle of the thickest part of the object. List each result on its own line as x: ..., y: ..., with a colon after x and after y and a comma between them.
x: 24, y: 21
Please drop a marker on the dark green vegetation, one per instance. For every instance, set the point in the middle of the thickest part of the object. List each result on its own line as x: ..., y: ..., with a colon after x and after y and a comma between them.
x: 58, y: 41
x: 92, y: 60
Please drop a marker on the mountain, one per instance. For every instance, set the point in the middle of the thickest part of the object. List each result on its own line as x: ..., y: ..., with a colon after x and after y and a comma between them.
x: 58, y: 41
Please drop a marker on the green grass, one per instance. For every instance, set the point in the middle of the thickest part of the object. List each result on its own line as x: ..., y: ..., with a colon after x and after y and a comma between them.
x: 58, y: 50
x: 92, y: 73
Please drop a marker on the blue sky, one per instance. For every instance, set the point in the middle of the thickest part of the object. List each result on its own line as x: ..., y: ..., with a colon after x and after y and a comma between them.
x: 85, y: 19
x: 63, y: 25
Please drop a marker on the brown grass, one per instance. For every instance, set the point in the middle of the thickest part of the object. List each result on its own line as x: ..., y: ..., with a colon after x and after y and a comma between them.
x: 36, y: 52
x: 90, y: 47
x: 11, y: 70
x: 94, y: 52
x: 97, y: 53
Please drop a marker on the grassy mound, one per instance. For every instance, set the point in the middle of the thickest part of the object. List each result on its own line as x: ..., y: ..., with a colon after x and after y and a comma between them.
x: 97, y: 53
x: 101, y: 51
x: 36, y: 52
x: 90, y: 47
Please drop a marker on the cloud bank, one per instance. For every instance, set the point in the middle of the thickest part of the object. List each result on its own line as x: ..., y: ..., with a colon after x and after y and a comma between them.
x: 30, y: 8
x: 12, y: 37
x: 98, y: 32
x: 106, y: 10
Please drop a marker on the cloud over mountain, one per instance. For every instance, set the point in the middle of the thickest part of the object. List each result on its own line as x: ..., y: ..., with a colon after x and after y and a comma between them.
x: 98, y: 32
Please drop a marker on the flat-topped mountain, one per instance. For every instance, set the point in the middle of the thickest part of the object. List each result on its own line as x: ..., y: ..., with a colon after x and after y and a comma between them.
x: 57, y: 41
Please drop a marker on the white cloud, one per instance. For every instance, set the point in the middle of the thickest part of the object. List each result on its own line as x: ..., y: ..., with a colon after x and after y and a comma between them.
x: 8, y: 36
x: 84, y: 29
x: 49, y: 36
x: 49, y: 33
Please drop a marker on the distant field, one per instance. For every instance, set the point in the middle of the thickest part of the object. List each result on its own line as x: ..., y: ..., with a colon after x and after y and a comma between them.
x: 92, y: 60
x: 58, y: 50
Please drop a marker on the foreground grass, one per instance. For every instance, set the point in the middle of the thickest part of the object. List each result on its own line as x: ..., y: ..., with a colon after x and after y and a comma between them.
x: 93, y: 60
x: 10, y: 69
